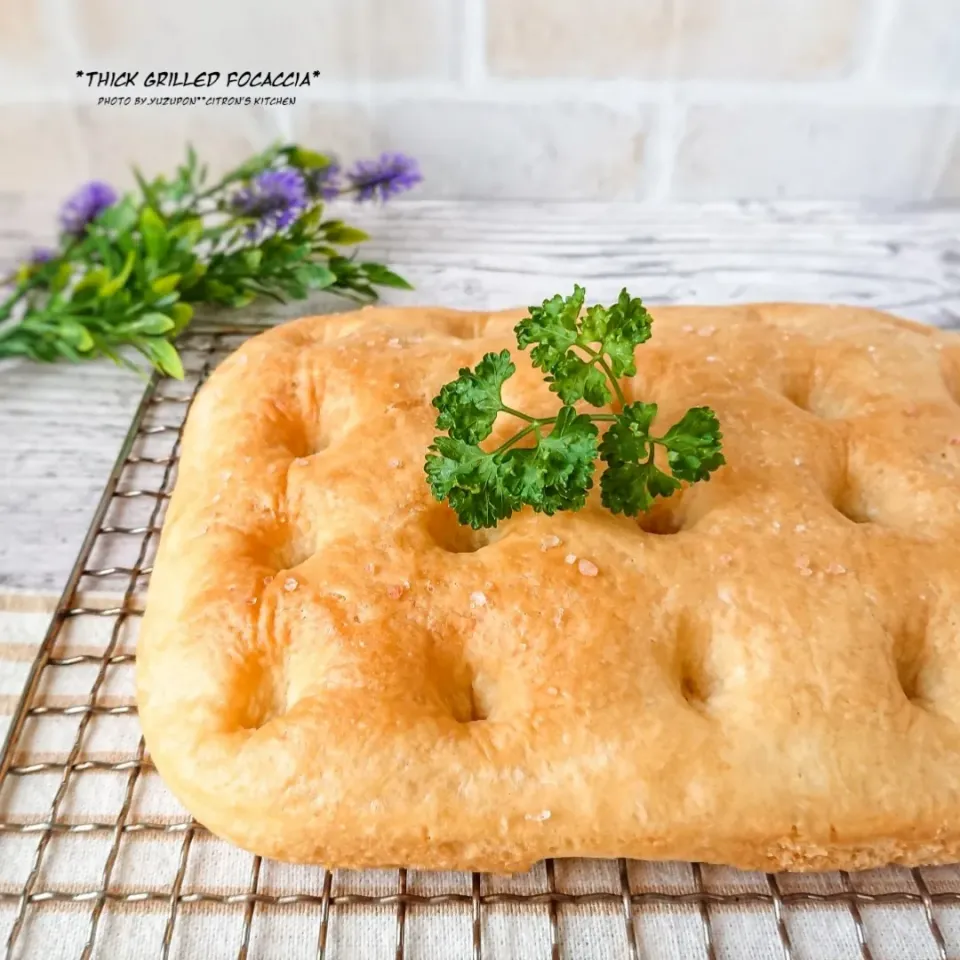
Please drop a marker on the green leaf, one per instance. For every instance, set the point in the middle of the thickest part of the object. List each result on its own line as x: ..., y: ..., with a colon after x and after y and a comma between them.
x: 92, y: 279
x: 693, y: 445
x: 618, y: 330
x: 76, y: 334
x: 632, y: 480
x: 154, y: 233
x: 182, y: 315
x: 165, y: 285
x: 573, y: 379
x: 558, y: 473
x: 189, y: 231
x: 61, y: 277
x: 630, y: 488
x: 606, y: 337
x: 382, y: 277
x: 343, y: 235
x: 119, y: 218
x: 252, y: 258
x: 315, y: 276
x: 468, y: 406
x: 165, y: 357
x: 628, y: 438
x: 146, y: 189
x: 109, y: 288
x: 308, y: 159
x: 474, y: 483
x: 150, y: 324
x: 552, y: 328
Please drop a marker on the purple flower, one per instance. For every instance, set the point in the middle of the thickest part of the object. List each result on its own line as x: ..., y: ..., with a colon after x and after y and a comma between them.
x: 84, y: 206
x: 324, y: 182
x: 274, y: 197
x: 42, y: 255
x: 381, y: 179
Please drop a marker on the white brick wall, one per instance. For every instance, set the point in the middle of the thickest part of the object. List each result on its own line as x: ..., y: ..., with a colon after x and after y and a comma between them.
x: 544, y: 99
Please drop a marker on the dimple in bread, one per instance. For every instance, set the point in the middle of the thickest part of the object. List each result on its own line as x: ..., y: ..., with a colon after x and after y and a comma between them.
x: 764, y: 671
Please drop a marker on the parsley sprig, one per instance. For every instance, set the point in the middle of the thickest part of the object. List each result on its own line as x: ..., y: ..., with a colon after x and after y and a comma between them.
x: 584, y: 354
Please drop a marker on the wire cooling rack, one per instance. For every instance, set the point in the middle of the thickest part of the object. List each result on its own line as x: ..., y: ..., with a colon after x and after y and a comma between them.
x: 106, y: 864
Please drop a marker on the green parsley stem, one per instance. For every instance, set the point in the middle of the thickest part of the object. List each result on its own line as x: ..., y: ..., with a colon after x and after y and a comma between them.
x: 613, y: 380
x: 519, y: 436
x: 521, y: 416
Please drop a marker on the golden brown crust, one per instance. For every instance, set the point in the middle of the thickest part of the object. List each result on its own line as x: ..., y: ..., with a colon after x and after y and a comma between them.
x: 765, y: 672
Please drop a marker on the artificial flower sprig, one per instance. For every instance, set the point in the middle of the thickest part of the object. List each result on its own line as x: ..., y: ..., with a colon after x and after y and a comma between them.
x: 583, y: 354
x: 129, y: 270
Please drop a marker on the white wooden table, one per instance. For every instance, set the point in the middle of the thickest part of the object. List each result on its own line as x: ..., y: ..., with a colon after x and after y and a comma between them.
x: 61, y: 426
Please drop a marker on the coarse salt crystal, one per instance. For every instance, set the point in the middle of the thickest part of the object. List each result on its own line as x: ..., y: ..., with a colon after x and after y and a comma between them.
x: 553, y: 691
x: 706, y: 331
x: 688, y: 328
x: 247, y: 459
x: 776, y: 525
x: 836, y: 568
x: 587, y: 568
x: 394, y: 342
x: 871, y: 348
x: 542, y: 815
x: 252, y: 601
x: 478, y: 599
x: 797, y: 462
x: 370, y: 568
x: 290, y: 584
x: 570, y: 558
x: 394, y: 463
x: 301, y: 462
x: 711, y: 359
x: 216, y: 498
x: 726, y: 558
x: 800, y: 528
x: 396, y: 386
x: 549, y: 542
x: 227, y: 474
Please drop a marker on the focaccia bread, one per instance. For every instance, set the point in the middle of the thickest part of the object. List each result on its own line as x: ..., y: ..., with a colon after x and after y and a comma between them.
x: 764, y: 671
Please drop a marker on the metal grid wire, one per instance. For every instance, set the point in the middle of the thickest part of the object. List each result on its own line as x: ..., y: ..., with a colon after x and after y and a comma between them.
x: 925, y: 904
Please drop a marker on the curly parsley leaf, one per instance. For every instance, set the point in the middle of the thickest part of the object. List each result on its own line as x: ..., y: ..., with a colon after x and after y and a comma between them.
x: 558, y: 472
x: 628, y: 438
x: 471, y: 481
x: 469, y: 405
x: 630, y: 488
x: 618, y: 330
x: 583, y: 353
x: 552, y: 328
x: 693, y: 445
x: 574, y: 379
